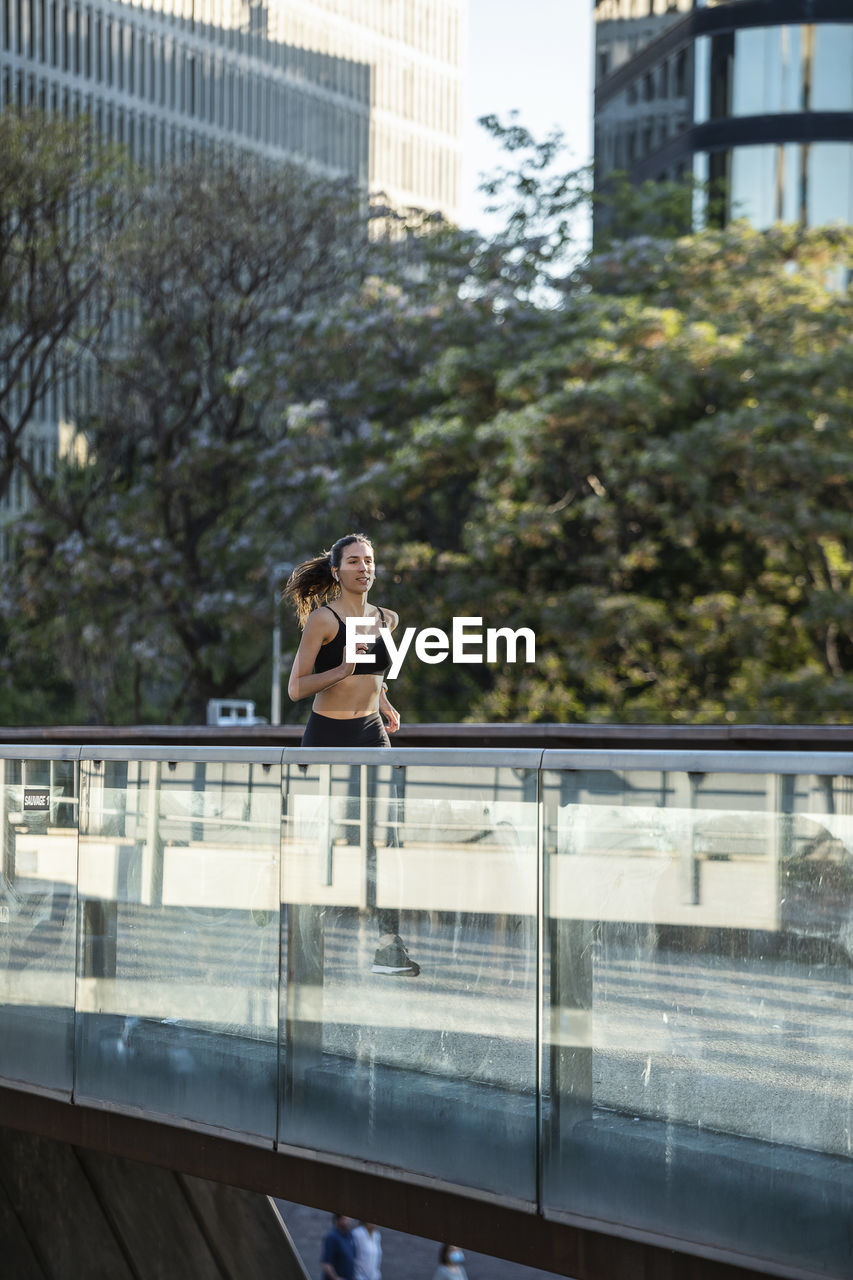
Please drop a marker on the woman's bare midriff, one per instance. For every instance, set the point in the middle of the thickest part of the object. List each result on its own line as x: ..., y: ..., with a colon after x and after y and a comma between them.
x: 351, y: 698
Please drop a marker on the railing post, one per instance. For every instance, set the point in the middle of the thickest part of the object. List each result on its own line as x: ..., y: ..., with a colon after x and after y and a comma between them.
x: 303, y: 961
x: 568, y: 1013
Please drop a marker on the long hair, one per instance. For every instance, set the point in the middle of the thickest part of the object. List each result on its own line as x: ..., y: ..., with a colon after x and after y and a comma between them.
x: 312, y: 583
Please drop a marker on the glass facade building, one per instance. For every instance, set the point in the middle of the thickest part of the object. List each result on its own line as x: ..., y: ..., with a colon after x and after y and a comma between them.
x: 636, y: 114
x: 759, y: 96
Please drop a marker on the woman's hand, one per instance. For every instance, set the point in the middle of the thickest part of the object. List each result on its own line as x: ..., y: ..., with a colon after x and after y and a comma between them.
x: 351, y: 668
x: 304, y: 682
x: 392, y: 716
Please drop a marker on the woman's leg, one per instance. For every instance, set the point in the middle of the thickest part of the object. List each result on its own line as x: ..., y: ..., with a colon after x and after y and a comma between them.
x: 322, y: 731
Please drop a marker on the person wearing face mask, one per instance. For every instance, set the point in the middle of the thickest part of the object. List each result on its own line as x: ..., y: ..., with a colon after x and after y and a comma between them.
x: 450, y: 1261
x: 367, y: 1239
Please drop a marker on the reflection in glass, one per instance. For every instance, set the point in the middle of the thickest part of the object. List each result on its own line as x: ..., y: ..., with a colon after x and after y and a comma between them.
x: 676, y: 945
x: 697, y: 1007
x: 178, y: 968
x: 749, y: 88
x: 754, y: 184
x: 832, y: 74
x: 38, y: 875
x: 702, y: 83
x: 830, y: 183
x: 769, y: 71
x: 790, y: 69
x: 436, y: 1072
x: 792, y: 183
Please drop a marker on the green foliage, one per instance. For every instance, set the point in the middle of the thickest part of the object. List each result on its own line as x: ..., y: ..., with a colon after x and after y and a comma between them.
x: 643, y: 453
x: 625, y: 210
x: 63, y: 204
x: 655, y: 477
x: 149, y: 574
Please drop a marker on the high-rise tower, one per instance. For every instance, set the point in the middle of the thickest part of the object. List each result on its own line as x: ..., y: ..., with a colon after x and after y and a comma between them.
x: 757, y: 94
x: 369, y: 88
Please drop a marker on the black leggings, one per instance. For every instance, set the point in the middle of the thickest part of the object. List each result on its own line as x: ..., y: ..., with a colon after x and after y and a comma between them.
x: 324, y: 731
x: 366, y: 731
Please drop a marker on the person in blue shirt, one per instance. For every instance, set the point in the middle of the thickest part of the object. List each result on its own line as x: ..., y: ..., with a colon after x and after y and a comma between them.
x: 339, y: 1250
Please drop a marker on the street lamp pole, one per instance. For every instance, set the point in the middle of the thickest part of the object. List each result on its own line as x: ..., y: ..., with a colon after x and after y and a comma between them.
x: 277, y: 573
x: 275, y: 699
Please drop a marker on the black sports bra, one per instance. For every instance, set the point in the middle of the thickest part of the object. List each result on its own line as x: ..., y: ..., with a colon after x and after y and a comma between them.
x: 332, y: 653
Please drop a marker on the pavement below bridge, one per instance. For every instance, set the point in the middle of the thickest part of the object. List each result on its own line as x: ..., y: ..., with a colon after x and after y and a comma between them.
x: 404, y: 1257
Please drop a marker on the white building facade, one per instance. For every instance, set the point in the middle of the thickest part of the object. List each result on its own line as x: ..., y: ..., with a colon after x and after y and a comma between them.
x: 368, y: 88
x: 373, y: 88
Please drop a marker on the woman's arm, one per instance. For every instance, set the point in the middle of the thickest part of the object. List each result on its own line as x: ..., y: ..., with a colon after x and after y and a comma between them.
x: 392, y: 716
x: 303, y: 681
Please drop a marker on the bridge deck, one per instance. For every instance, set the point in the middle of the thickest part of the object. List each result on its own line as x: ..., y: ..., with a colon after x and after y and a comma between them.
x: 627, y: 1048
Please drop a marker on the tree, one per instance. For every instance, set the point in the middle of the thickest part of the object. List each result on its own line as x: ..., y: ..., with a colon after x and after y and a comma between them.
x: 62, y: 207
x: 643, y: 454
x: 654, y: 475
x: 199, y: 469
x: 665, y: 490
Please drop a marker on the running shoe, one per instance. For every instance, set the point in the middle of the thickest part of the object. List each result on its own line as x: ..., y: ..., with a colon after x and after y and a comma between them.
x: 395, y: 960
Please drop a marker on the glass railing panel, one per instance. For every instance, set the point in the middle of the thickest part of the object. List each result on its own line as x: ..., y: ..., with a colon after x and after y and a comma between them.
x: 697, y: 1007
x: 38, y: 896
x: 179, y: 959
x: 434, y: 1071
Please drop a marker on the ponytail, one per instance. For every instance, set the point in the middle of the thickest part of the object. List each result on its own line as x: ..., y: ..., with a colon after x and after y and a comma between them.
x: 312, y: 583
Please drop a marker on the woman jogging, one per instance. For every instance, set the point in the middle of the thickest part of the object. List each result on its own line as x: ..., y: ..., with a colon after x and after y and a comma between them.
x: 350, y: 698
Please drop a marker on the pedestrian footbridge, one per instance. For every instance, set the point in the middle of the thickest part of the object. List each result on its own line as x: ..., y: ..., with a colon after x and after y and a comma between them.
x: 627, y: 1052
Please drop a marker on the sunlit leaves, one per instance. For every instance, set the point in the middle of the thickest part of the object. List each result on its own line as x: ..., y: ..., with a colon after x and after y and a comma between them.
x: 644, y: 453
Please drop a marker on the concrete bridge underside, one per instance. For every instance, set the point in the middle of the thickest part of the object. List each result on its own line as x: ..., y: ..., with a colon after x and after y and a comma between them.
x: 67, y: 1212
x: 92, y: 1192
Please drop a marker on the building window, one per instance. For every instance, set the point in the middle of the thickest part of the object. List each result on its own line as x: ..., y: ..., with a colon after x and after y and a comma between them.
x: 832, y: 69
x: 86, y: 36
x: 829, y: 183
x: 722, y: 73
x: 782, y: 69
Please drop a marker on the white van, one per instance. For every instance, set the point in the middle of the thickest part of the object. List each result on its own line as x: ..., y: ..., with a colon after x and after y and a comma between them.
x: 232, y: 711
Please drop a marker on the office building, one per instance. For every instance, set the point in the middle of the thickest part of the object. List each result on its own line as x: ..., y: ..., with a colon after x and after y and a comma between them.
x: 369, y: 88
x: 414, y: 50
x: 757, y: 95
